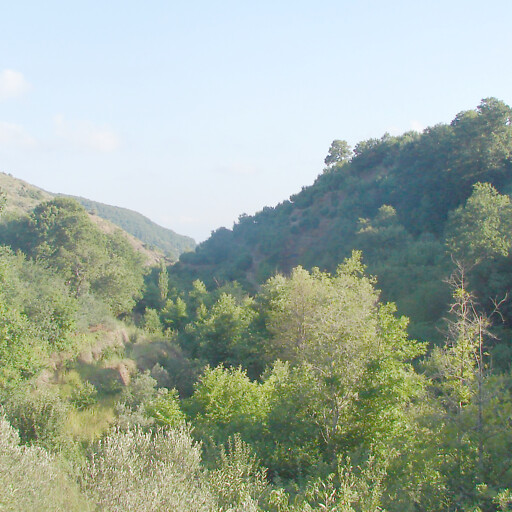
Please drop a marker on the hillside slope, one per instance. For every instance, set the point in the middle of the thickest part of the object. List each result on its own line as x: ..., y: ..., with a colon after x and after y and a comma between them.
x: 153, y: 239
x: 391, y: 199
x: 153, y: 235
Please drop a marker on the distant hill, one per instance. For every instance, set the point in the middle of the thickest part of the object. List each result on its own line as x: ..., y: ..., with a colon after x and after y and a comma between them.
x: 390, y: 198
x: 22, y: 197
x: 153, y: 235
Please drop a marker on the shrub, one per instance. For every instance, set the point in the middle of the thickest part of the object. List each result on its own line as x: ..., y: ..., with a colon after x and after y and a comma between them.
x: 140, y: 471
x: 33, y: 480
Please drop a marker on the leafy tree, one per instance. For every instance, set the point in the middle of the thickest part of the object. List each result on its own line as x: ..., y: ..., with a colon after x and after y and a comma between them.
x: 61, y: 236
x: 19, y: 357
x: 484, y: 138
x: 120, y: 281
x: 226, y: 402
x: 64, y: 239
x: 151, y: 322
x: 339, y: 152
x: 481, y: 228
x: 174, y: 314
x: 356, y: 349
x: 292, y: 442
x: 165, y: 409
x: 163, y: 282
x: 473, y: 425
x: 222, y: 332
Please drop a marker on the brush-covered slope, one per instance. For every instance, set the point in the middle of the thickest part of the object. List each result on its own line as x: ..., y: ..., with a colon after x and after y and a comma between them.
x: 153, y: 235
x: 20, y: 196
x: 145, y: 235
x: 390, y: 197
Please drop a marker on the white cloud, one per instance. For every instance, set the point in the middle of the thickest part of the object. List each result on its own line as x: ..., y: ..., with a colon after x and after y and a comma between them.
x: 87, y: 135
x: 12, y: 84
x: 15, y: 135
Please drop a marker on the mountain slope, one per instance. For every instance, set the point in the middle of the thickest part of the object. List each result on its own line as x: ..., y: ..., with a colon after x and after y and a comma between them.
x: 391, y: 199
x: 22, y: 197
x: 171, y: 243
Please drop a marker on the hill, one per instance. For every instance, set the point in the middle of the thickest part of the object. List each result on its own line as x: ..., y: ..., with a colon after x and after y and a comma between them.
x: 391, y: 197
x: 21, y: 196
x: 147, y: 236
x: 153, y: 235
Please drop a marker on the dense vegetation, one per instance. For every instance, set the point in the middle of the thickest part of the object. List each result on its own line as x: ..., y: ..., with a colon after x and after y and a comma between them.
x: 153, y: 235
x: 23, y: 197
x: 136, y: 388
x: 390, y: 198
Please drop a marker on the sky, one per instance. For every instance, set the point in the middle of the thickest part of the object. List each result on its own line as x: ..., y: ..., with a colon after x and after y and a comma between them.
x: 195, y: 112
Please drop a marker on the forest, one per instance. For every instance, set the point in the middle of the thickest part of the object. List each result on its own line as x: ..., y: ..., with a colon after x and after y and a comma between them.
x: 348, y: 350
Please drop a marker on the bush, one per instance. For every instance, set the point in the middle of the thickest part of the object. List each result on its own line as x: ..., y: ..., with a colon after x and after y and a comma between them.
x: 39, y: 417
x: 140, y: 471
x: 33, y: 480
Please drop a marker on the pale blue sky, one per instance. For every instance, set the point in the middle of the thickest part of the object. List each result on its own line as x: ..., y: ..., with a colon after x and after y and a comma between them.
x: 195, y: 112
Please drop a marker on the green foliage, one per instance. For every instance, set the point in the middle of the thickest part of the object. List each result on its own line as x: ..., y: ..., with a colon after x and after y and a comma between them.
x: 315, y: 374
x: 142, y: 228
x: 165, y: 410
x: 239, y: 482
x: 39, y: 416
x: 355, y: 350
x: 151, y: 322
x: 481, y: 228
x: 174, y: 314
x: 83, y: 395
x: 292, y: 445
x: 134, y: 470
x: 222, y: 333
x: 226, y: 402
x: 422, y: 177
x: 42, y: 298
x: 19, y: 357
x: 339, y: 152
x: 3, y: 200
x: 33, y: 480
x: 163, y: 282
x: 60, y: 236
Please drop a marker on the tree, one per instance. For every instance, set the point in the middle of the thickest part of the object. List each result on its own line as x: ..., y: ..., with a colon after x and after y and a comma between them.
x: 163, y: 282
x: 19, y: 355
x: 355, y: 348
x: 481, y: 229
x: 222, y: 332
x: 475, y: 431
x: 61, y: 236
x: 226, y: 402
x: 339, y: 152
x: 483, y: 138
